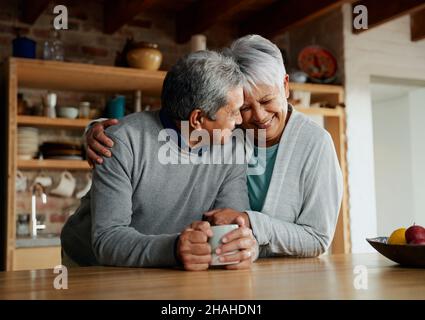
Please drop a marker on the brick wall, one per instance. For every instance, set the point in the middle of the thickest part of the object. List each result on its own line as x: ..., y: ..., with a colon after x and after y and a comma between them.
x: 84, y: 41
x: 325, y: 31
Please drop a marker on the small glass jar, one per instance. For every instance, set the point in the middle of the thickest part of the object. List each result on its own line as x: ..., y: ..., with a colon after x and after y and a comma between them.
x: 22, y: 225
x: 85, y: 109
x: 53, y: 48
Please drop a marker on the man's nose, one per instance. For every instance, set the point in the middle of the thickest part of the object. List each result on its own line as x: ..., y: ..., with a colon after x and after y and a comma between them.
x: 238, y: 120
x: 258, y: 113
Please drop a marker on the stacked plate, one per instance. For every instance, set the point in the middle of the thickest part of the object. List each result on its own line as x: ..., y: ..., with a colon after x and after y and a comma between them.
x: 27, y: 142
x: 61, y: 150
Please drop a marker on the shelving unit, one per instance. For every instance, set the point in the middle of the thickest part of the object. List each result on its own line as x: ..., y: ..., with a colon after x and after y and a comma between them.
x: 44, y: 122
x: 25, y: 73
x: 50, y: 164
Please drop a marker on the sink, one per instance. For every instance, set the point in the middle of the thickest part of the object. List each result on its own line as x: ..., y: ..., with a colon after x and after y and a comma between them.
x: 42, y: 240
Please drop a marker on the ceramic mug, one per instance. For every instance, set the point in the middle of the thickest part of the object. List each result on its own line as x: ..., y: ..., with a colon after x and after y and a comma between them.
x: 45, y: 181
x: 66, y: 185
x: 215, y: 241
x: 20, y: 182
x: 86, y: 189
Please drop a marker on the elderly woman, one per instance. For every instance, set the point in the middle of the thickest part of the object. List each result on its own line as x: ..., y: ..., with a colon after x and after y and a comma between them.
x: 296, y: 200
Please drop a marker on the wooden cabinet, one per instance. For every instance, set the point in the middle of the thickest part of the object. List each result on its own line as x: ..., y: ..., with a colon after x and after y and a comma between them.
x: 36, y: 258
x: 53, y: 75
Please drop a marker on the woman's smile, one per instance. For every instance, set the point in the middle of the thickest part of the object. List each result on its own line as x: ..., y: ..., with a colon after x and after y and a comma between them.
x: 265, y: 124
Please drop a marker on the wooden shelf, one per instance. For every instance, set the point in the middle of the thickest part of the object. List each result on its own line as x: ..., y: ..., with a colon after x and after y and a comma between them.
x: 53, y: 123
x: 317, y: 88
x: 55, y: 75
x: 54, y: 164
x: 325, y: 112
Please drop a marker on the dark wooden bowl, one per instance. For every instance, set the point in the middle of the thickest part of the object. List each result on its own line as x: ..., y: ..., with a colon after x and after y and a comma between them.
x: 409, y: 255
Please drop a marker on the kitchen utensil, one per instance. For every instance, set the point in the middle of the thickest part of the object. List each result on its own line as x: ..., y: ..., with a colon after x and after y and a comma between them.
x: 86, y: 189
x: 68, y: 112
x: 409, y: 255
x: 49, y: 102
x: 20, y: 182
x: 52, y: 150
x: 27, y: 142
x: 45, y: 181
x: 66, y: 185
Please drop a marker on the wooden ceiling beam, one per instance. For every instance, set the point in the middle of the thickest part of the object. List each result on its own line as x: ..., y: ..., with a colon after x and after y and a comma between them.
x: 201, y: 15
x: 380, y: 12
x: 283, y: 15
x: 417, y: 25
x: 119, y: 12
x: 32, y: 9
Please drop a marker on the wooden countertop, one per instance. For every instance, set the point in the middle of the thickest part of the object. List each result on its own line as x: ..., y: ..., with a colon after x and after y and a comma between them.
x: 327, y: 277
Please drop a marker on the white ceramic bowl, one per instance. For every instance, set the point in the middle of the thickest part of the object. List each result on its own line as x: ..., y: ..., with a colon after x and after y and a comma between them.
x: 68, y: 112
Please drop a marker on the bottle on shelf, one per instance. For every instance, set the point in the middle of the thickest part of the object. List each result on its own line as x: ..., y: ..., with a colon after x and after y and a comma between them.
x: 53, y: 48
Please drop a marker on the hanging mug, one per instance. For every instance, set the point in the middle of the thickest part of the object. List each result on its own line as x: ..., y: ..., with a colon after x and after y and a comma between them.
x: 86, y: 189
x: 20, y: 182
x: 45, y: 181
x: 66, y: 185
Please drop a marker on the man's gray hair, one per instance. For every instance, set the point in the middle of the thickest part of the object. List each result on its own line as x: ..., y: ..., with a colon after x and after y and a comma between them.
x: 260, y: 61
x: 200, y: 80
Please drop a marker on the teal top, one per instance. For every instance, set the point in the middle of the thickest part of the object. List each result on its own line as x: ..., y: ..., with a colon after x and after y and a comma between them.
x: 259, y: 184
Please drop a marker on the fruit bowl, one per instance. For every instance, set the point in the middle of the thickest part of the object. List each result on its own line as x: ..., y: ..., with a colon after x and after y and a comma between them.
x: 409, y: 255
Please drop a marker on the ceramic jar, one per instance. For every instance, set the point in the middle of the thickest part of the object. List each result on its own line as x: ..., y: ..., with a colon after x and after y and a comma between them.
x: 145, y: 56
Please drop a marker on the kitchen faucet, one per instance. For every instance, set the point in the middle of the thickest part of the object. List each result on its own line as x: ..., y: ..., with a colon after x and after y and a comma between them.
x: 37, y: 189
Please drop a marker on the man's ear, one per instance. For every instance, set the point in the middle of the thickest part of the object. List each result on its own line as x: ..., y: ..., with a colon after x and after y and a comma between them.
x: 196, y: 119
x: 286, y: 85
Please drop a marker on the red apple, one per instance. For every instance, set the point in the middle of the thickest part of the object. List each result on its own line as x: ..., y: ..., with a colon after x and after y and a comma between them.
x: 418, y: 242
x: 415, y: 234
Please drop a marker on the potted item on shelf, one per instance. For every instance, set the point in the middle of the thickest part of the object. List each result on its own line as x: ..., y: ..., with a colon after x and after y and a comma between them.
x: 145, y: 55
x: 23, y: 47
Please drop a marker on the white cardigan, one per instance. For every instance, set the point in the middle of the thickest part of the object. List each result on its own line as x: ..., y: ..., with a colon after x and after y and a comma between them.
x: 301, y: 208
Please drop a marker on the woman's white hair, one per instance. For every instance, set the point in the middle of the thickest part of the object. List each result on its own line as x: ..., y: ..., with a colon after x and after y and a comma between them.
x: 259, y: 59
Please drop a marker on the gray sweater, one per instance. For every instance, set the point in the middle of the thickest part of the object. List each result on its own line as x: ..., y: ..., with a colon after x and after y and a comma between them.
x: 301, y: 208
x: 137, y: 206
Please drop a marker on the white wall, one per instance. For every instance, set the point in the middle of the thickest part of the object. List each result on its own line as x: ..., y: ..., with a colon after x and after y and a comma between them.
x: 383, y: 51
x: 393, y: 164
x: 417, y: 136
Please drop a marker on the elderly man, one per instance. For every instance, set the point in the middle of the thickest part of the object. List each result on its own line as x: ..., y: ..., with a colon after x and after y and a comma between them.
x: 139, y: 209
